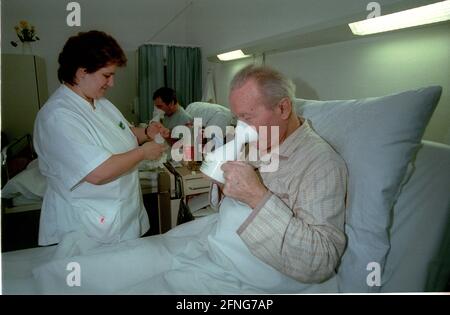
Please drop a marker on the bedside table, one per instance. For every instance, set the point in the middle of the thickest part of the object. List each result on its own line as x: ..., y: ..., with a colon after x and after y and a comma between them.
x: 193, y: 182
x: 187, y: 183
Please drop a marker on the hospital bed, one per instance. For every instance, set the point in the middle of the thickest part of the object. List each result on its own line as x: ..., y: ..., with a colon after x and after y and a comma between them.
x: 418, y: 259
x: 15, y: 158
x: 20, y: 210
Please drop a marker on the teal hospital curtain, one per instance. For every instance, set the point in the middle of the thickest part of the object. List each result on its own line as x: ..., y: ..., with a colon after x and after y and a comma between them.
x: 150, y: 78
x: 184, y: 73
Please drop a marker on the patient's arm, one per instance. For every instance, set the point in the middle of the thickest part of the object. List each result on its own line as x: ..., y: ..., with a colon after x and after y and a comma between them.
x: 307, y: 241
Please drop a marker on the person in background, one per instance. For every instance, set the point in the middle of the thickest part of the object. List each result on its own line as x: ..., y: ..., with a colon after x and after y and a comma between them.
x: 165, y: 99
x: 87, y: 150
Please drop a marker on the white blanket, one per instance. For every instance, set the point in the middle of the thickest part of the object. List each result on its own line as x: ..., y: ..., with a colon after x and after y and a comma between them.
x: 30, y: 184
x: 204, y: 256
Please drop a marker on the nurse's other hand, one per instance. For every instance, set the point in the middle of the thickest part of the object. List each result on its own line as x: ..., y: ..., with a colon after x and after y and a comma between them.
x: 155, y: 127
x: 242, y: 183
x: 153, y: 150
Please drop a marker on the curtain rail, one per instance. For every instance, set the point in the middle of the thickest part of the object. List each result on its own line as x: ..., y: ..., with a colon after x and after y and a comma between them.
x: 172, y: 44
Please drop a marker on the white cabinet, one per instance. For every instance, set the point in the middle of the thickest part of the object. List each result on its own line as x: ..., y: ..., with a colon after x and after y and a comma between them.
x: 24, y: 91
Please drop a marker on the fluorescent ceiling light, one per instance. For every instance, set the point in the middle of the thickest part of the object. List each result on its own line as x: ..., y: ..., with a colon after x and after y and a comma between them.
x: 432, y: 13
x: 235, y: 54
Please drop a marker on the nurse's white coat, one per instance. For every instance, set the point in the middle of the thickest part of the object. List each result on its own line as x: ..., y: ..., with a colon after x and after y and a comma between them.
x: 72, y: 139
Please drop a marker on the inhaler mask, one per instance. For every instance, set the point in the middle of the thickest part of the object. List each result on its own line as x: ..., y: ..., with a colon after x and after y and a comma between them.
x: 146, y: 165
x: 211, y: 166
x: 158, y: 114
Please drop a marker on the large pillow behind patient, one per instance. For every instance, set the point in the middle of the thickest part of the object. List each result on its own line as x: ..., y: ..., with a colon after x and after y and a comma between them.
x: 377, y: 138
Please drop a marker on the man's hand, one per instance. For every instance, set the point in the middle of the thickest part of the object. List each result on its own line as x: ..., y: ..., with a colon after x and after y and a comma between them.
x: 154, y: 128
x: 242, y: 183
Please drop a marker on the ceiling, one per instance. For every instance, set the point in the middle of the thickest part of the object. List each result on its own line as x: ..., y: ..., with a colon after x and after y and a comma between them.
x: 320, y: 34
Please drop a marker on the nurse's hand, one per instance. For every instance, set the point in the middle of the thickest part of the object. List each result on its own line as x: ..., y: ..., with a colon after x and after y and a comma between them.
x: 242, y: 183
x: 153, y: 150
x: 154, y: 128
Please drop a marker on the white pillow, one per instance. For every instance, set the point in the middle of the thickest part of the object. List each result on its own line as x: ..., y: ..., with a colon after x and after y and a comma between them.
x: 377, y: 138
x: 421, y: 217
x: 211, y: 114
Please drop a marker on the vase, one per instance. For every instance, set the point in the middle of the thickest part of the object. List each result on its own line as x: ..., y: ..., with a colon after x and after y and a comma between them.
x: 27, y: 48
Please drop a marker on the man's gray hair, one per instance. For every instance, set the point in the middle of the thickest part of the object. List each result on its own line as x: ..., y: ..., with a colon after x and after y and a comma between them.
x: 273, y: 85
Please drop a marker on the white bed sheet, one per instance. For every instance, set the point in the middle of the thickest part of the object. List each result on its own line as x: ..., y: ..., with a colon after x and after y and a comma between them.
x: 17, y: 266
x: 29, y: 184
x: 204, y: 256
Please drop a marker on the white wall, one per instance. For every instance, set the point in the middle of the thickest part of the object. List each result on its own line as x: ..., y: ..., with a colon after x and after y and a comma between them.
x: 372, y: 66
x: 130, y: 22
x: 220, y: 25
x: 386, y: 64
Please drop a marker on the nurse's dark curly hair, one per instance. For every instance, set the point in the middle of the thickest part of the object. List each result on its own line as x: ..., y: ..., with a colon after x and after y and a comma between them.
x: 91, y: 50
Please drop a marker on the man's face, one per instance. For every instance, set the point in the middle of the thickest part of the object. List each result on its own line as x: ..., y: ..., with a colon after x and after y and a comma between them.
x: 167, y: 108
x: 248, y: 105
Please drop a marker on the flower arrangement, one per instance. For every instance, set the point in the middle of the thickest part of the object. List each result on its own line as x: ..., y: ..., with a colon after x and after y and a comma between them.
x: 26, y: 33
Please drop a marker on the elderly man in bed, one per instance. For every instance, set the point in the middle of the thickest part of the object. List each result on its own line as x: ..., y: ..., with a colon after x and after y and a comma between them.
x: 297, y: 222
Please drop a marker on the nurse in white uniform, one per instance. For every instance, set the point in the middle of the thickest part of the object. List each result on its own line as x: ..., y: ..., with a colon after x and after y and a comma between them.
x: 88, y: 152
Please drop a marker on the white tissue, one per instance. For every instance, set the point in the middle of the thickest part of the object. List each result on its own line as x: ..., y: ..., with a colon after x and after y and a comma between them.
x: 159, y: 139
